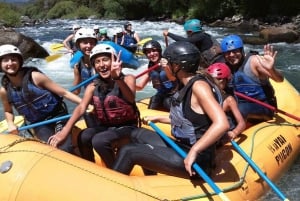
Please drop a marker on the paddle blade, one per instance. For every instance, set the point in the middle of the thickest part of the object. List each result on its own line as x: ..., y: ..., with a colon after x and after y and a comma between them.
x: 53, y: 57
x: 56, y: 47
x: 139, y: 51
x: 145, y: 40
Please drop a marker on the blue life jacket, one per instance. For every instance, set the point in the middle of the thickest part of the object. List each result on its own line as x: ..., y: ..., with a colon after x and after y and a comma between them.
x: 251, y: 86
x: 85, y: 72
x: 161, y: 82
x: 34, y: 103
x: 129, y: 39
x: 111, y: 109
x: 182, y: 128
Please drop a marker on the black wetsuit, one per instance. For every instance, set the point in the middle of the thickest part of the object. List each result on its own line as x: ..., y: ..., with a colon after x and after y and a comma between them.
x: 151, y: 152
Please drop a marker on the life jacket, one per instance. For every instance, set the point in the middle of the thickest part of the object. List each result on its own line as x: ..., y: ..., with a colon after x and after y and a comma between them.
x: 182, y: 128
x: 34, y: 103
x: 129, y: 39
x: 85, y: 72
x: 251, y: 86
x: 111, y: 109
x: 161, y: 82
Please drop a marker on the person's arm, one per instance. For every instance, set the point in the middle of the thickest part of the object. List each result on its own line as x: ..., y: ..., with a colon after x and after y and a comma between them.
x: 142, y: 82
x: 136, y: 37
x: 264, y: 66
x: 203, y: 101
x: 77, y: 79
x: 194, y: 38
x: 161, y: 119
x: 126, y: 85
x: 44, y: 82
x: 66, y: 43
x: 8, y: 112
x: 80, y: 109
x: 232, y: 105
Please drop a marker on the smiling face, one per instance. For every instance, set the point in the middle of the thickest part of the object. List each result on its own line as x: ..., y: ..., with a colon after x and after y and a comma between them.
x: 86, y: 45
x: 102, y: 64
x: 10, y: 64
x: 233, y: 57
x: 153, y: 54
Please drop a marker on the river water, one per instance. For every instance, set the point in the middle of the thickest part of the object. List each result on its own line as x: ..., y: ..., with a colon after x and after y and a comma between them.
x: 58, y: 70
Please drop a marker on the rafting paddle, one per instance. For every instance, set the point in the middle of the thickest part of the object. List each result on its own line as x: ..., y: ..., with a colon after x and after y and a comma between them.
x: 258, y: 170
x: 148, y: 70
x: 197, y: 168
x: 266, y: 105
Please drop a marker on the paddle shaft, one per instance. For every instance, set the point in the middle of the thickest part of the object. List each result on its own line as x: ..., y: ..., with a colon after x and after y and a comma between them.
x: 44, y: 122
x: 148, y: 70
x: 197, y: 168
x: 266, y: 105
x: 258, y: 170
x: 166, y: 41
x: 62, y: 117
x: 84, y: 82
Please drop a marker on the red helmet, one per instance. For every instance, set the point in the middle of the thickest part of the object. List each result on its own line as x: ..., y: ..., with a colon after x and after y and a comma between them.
x: 219, y: 70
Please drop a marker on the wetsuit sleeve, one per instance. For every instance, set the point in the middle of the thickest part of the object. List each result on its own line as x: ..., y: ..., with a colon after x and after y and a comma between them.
x: 192, y: 39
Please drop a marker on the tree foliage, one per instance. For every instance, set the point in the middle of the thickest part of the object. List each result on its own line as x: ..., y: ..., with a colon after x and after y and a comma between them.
x: 206, y: 10
x: 9, y: 16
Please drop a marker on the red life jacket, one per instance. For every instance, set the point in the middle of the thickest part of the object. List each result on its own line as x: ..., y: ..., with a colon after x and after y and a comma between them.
x: 111, y: 109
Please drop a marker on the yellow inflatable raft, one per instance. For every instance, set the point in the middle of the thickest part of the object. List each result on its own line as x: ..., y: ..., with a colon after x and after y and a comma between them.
x: 30, y: 170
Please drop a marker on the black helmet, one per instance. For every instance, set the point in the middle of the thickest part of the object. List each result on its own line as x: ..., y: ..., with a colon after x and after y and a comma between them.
x: 185, y: 54
x: 151, y: 44
x: 126, y: 25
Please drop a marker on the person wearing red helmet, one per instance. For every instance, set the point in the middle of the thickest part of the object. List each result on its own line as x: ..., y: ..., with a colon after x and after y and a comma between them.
x: 222, y: 75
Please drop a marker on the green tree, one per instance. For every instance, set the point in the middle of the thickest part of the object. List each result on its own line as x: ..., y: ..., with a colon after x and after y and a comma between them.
x: 9, y: 15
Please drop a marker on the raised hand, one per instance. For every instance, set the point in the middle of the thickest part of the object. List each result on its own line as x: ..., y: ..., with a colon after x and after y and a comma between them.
x: 116, y: 66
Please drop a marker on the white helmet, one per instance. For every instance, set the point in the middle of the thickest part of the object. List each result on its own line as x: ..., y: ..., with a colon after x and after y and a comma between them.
x: 10, y: 49
x: 76, y: 26
x: 100, y: 49
x: 85, y: 33
x: 118, y: 30
x: 96, y: 27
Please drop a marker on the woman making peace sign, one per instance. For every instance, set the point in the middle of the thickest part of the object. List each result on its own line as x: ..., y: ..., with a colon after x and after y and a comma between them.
x: 115, y: 111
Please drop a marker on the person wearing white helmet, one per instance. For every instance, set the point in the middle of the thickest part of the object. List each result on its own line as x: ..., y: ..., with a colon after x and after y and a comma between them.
x: 85, y: 40
x: 115, y: 111
x: 33, y: 95
x: 69, y: 42
x: 96, y: 30
x: 118, y: 37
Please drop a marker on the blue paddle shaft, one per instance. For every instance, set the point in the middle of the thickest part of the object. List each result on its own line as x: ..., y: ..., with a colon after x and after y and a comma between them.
x: 258, y: 170
x: 44, y: 122
x: 197, y: 168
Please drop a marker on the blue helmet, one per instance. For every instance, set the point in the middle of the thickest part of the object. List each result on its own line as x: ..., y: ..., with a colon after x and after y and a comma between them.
x: 193, y: 25
x: 231, y: 42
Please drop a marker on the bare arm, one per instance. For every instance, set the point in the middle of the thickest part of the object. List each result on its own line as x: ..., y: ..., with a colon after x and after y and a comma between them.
x: 44, y: 82
x: 161, y: 119
x: 8, y: 112
x: 231, y: 104
x: 66, y: 42
x: 80, y: 109
x: 203, y: 101
x: 136, y: 37
x: 142, y: 82
x: 264, y: 66
x: 77, y: 79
